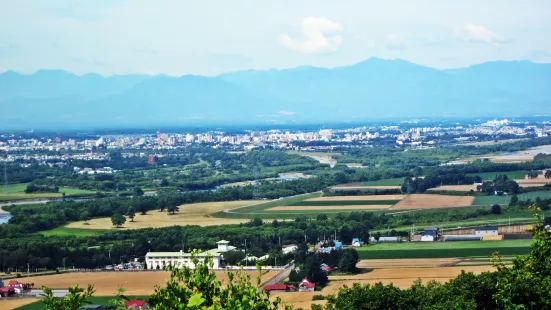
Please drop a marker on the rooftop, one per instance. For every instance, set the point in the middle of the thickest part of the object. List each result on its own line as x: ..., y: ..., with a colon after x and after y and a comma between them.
x: 179, y: 254
x: 485, y: 228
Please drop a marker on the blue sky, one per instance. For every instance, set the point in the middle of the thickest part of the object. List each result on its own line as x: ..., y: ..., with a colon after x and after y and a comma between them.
x: 207, y: 37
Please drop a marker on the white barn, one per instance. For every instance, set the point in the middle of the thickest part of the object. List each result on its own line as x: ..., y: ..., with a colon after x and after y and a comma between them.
x: 160, y: 260
x: 486, y: 231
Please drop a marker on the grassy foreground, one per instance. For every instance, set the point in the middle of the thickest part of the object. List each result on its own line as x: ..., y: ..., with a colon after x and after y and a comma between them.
x: 444, y: 249
x: 94, y: 300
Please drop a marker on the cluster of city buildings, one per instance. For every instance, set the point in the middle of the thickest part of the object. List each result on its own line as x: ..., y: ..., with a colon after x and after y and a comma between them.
x: 18, y: 147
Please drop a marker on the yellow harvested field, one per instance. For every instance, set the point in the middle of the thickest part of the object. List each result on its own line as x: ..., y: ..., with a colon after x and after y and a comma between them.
x: 459, y: 188
x: 190, y: 214
x: 16, y: 303
x: 298, y: 299
x: 428, y: 201
x: 408, y: 263
x: 402, y: 277
x: 347, y: 198
x: 354, y: 207
x: 540, y: 181
x: 135, y: 283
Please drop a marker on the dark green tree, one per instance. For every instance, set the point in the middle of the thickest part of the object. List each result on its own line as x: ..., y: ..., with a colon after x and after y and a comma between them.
x: 131, y: 213
x: 118, y: 220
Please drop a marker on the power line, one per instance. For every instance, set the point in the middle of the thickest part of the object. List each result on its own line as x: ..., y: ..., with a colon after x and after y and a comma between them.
x: 256, y: 184
x: 6, y: 178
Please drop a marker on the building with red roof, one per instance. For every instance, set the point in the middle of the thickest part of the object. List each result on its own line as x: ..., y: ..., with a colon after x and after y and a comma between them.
x: 306, y: 286
x: 137, y: 304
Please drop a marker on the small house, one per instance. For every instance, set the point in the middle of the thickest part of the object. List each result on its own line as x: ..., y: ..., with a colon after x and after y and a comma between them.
x: 486, y: 231
x: 137, y: 304
x: 431, y: 231
x: 306, y: 286
x: 427, y: 238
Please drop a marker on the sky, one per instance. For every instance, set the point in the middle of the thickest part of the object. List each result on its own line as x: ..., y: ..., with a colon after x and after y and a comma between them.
x: 206, y: 37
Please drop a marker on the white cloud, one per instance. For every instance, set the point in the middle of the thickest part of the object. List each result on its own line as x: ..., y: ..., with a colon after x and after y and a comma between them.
x: 479, y: 33
x: 321, y: 35
x: 286, y: 113
x: 394, y: 42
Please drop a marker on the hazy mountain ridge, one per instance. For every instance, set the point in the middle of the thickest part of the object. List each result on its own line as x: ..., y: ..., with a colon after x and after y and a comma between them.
x: 372, y: 88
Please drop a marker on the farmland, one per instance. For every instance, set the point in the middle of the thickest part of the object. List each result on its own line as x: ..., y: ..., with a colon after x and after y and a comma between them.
x: 515, y: 175
x: 17, y: 192
x: 443, y: 249
x: 190, y: 214
x: 427, y: 201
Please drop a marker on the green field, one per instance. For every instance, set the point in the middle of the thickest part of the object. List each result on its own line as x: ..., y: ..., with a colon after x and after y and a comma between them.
x: 95, y: 300
x: 490, y: 200
x: 503, y: 200
x: 345, y: 203
x: 533, y: 195
x: 17, y: 192
x: 79, y: 232
x: 486, y: 220
x: 443, y: 249
x: 259, y: 210
x: 519, y: 174
x: 385, y: 182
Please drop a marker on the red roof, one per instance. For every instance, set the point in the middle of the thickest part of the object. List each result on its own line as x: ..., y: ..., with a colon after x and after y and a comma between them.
x: 275, y: 287
x: 135, y: 303
x: 13, y: 282
x: 306, y: 283
x: 292, y: 287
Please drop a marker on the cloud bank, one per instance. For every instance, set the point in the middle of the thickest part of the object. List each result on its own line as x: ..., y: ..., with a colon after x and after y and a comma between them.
x: 321, y: 35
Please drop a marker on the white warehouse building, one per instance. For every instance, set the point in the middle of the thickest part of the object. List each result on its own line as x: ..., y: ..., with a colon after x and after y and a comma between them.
x: 160, y: 260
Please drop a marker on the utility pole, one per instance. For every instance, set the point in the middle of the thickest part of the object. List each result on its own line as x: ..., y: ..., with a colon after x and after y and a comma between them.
x: 6, y: 178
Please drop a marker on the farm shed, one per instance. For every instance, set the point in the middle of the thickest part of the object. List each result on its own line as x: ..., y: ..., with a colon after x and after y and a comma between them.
x: 386, y: 239
x: 462, y: 238
x: 486, y: 231
x: 279, y: 288
x: 427, y: 238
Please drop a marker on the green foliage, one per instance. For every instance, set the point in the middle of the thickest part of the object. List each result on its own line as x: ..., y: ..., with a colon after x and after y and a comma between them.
x: 131, y: 213
x: 527, y: 283
x: 118, y: 220
x: 496, y: 209
x: 73, y: 301
x: 348, y: 260
x: 198, y: 288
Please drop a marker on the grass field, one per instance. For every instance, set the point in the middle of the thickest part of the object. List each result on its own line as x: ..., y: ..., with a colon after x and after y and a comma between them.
x: 190, y: 214
x: 258, y: 210
x: 533, y: 195
x: 385, y: 182
x: 330, y: 208
x: 79, y: 232
x: 443, y: 249
x: 490, y: 200
x: 344, y: 203
x: 17, y: 192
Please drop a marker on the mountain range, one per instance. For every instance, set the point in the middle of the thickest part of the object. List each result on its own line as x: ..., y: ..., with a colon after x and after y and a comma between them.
x: 374, y: 88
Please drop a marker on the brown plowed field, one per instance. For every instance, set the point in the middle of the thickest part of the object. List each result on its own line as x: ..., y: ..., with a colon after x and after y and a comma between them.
x: 427, y: 201
x: 302, y: 208
x: 407, y: 263
x: 348, y: 198
x: 135, y: 283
